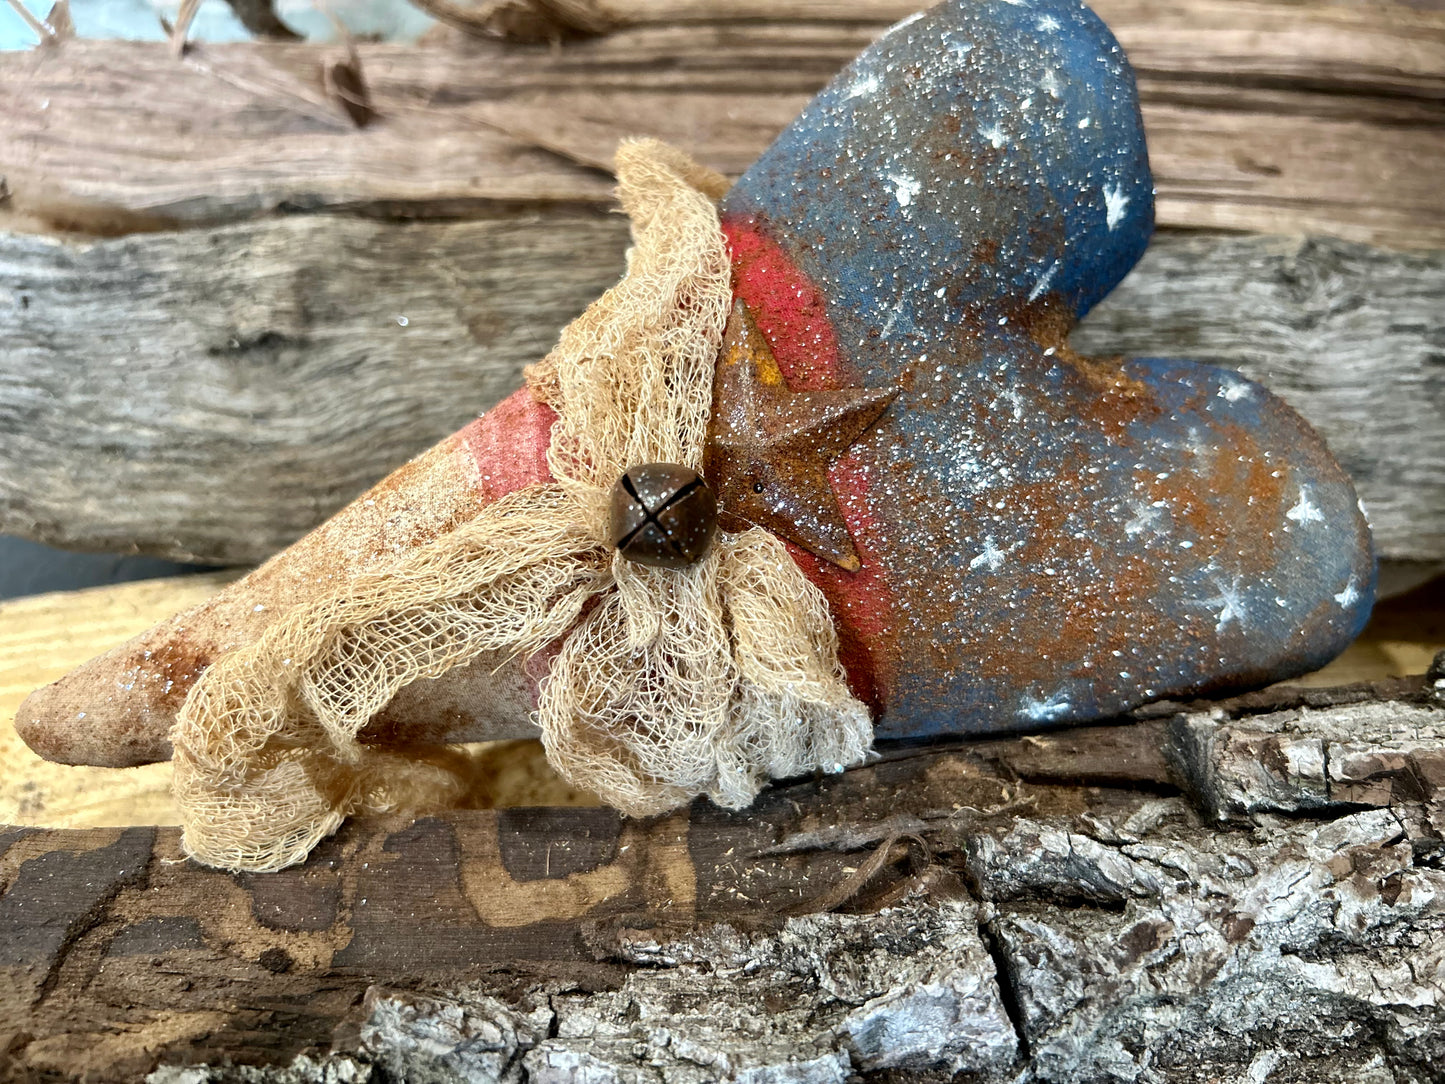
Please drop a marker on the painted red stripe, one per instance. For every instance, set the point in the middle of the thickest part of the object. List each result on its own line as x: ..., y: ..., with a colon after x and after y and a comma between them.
x: 792, y: 313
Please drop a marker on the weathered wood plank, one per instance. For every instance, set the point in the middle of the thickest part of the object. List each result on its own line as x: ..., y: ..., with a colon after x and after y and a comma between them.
x: 1242, y: 102
x: 211, y: 394
x: 1258, y: 885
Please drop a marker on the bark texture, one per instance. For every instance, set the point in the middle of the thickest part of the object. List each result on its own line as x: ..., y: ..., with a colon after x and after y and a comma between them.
x: 1246, y: 891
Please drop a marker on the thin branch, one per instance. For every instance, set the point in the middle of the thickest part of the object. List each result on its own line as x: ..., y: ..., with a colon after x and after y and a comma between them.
x: 44, y: 30
x: 60, y: 22
x: 184, y: 17
x: 260, y: 18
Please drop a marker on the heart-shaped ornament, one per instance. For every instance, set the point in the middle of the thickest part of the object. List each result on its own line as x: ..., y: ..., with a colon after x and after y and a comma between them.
x: 1044, y: 537
x: 1009, y: 535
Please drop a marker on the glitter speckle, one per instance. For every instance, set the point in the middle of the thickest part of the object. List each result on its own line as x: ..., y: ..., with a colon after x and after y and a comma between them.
x: 1232, y: 391
x: 1044, y: 280
x: 901, y: 23
x: 957, y: 45
x: 1045, y: 710
x: 863, y: 86
x: 1349, y: 596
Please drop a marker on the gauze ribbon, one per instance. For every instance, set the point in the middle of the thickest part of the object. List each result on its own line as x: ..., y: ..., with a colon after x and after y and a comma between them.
x: 664, y: 684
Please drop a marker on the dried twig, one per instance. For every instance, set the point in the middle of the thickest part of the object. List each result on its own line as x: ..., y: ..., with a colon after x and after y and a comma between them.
x: 346, y: 85
x: 60, y: 22
x: 526, y: 21
x: 840, y: 894
x: 184, y: 18
x: 46, y: 32
x: 344, y: 80
x: 260, y: 18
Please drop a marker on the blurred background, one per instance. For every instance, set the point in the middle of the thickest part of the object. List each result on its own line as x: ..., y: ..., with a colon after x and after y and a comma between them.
x: 136, y: 20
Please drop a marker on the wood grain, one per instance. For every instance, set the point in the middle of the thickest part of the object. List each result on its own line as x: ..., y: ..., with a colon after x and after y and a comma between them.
x: 1243, y: 102
x: 1253, y: 881
x: 301, y: 385
x: 213, y: 394
x: 41, y: 639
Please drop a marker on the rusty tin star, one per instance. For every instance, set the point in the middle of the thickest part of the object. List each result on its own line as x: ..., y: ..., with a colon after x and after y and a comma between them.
x: 769, y: 447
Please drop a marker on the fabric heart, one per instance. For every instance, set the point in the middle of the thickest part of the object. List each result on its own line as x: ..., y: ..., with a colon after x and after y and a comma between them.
x: 1045, y: 537
x: 1041, y: 537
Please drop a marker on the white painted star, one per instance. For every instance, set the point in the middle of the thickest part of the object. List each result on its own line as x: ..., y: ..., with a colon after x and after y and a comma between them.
x: 1115, y: 204
x: 1230, y: 602
x: 1304, y: 510
x: 1146, y: 518
x: 991, y: 557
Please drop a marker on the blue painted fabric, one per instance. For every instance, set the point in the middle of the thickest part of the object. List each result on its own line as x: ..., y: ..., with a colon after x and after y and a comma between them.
x: 1046, y: 537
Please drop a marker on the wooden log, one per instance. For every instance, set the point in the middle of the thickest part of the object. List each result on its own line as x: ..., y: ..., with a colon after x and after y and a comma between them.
x: 264, y: 358
x: 1242, y: 102
x: 213, y: 394
x: 301, y: 385
x: 1206, y: 894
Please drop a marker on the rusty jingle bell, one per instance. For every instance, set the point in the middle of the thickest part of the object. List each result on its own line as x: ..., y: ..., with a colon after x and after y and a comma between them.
x: 662, y: 514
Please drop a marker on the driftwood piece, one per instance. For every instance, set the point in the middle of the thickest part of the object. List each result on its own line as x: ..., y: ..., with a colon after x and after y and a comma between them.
x: 211, y: 393
x: 1239, y: 892
x: 1243, y: 103
x: 320, y: 352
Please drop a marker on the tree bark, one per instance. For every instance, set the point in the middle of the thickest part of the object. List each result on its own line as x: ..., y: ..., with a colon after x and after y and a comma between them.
x: 1235, y: 891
